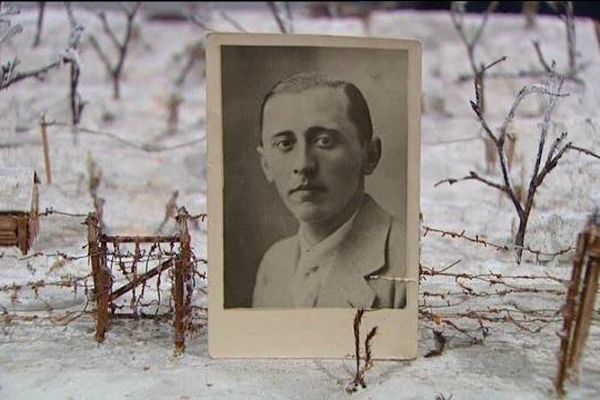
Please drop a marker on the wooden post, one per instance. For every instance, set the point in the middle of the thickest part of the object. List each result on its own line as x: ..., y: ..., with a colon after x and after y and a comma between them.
x: 101, y: 275
x: 43, y: 130
x: 23, y: 233
x: 586, y: 302
x: 182, y: 291
x: 579, y: 307
x: 568, y: 313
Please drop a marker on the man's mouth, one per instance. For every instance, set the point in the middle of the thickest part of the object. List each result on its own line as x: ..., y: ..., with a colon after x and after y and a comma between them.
x: 307, y: 188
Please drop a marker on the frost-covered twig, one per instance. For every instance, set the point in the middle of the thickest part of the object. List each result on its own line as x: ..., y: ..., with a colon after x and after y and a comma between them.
x: 7, y: 30
x: 115, y: 70
x: 8, y: 70
x: 540, y: 170
x: 9, y: 76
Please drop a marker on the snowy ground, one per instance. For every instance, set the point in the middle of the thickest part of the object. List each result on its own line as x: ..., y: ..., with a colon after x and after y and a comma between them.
x: 42, y: 358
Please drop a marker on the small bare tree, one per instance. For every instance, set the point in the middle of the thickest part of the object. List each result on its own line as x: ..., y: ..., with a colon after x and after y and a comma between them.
x: 114, y: 71
x: 541, y: 168
x: 457, y: 13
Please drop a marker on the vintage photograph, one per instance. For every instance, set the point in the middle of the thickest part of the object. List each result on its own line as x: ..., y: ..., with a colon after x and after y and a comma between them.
x: 317, y: 158
x: 314, y: 149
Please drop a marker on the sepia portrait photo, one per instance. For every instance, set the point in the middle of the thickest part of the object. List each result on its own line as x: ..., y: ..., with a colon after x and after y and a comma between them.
x: 313, y: 173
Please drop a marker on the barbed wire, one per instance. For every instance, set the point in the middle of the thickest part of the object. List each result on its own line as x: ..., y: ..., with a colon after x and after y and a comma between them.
x: 147, y: 147
x: 500, y: 247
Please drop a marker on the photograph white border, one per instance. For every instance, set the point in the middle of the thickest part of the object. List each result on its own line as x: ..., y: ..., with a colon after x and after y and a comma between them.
x: 307, y: 333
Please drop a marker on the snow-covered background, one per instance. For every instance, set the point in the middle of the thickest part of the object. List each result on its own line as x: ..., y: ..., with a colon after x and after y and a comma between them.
x: 41, y: 356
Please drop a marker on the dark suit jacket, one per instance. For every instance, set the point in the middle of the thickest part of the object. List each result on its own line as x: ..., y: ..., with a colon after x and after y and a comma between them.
x: 372, y: 247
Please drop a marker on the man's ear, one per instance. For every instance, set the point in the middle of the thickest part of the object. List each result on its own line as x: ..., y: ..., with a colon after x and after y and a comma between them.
x: 264, y: 164
x: 373, y: 156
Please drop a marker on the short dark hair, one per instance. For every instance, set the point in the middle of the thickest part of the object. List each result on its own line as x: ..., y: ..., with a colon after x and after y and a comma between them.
x: 358, y: 109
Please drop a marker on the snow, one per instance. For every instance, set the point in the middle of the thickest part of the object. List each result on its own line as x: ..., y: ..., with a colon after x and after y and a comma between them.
x: 42, y: 357
x: 15, y: 189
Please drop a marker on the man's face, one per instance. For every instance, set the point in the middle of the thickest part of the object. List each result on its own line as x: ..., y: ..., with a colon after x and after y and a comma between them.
x: 311, y: 150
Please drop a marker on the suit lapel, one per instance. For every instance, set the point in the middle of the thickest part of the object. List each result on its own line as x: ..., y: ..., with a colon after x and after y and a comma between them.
x: 361, y: 254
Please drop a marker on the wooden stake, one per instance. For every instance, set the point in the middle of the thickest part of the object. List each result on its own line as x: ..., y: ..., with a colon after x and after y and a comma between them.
x: 102, y: 279
x: 182, y: 291
x: 568, y: 313
x: 579, y: 307
x: 44, y: 132
x: 584, y: 315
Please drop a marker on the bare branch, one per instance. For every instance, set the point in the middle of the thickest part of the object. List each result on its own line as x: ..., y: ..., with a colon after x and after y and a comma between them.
x: 284, y: 22
x: 474, y: 176
x: 571, y: 44
x: 39, y: 24
x: 582, y: 150
x: 232, y: 21
x: 109, y: 32
x: 538, y: 51
x: 70, y: 14
x: 11, y: 78
x: 101, y: 54
x: 71, y: 57
x: 554, y: 147
x: 491, y: 8
x: 541, y: 144
x: 457, y: 13
x: 8, y: 11
x: 197, y: 21
x: 121, y: 46
x: 524, y: 92
x: 490, y: 65
x: 483, y: 122
x: 11, y: 32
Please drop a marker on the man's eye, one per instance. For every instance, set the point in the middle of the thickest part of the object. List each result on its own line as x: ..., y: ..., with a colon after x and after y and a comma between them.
x: 283, y: 144
x: 325, y: 141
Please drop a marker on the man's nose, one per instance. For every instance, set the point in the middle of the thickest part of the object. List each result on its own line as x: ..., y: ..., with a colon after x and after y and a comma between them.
x: 304, y: 162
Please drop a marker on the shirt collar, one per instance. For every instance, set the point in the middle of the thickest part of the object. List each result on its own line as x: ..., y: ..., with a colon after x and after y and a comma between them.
x: 326, y: 246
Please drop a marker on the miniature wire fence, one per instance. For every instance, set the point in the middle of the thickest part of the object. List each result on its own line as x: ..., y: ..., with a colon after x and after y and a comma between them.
x: 123, y: 264
x: 143, y: 284
x: 131, y: 277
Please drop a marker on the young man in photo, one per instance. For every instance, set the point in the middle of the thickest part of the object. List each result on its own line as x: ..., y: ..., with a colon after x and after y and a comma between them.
x: 317, y: 147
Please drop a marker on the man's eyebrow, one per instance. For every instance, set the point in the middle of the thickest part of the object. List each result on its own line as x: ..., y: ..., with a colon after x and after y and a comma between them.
x: 315, y: 130
x: 281, y: 133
